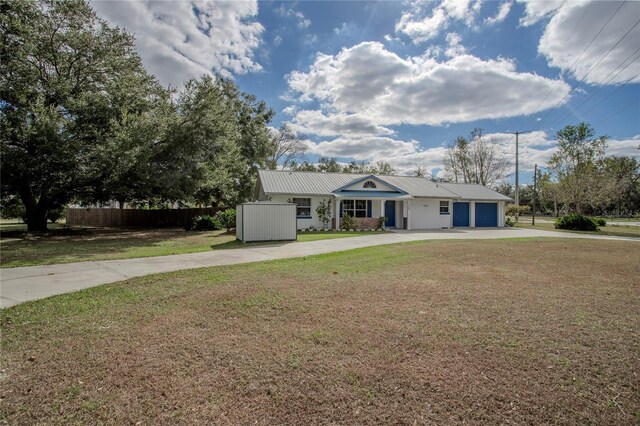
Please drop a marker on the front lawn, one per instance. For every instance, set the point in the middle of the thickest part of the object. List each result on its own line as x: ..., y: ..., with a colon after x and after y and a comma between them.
x: 86, y: 244
x: 615, y: 230
x: 528, y: 331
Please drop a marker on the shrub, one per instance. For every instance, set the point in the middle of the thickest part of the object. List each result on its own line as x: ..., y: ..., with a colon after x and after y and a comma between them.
x: 381, y: 221
x: 56, y: 213
x: 227, y: 219
x: 348, y: 222
x: 11, y: 207
x: 203, y: 223
x: 513, y: 210
x: 576, y: 222
x: 600, y: 221
x: 324, y: 212
x: 510, y: 221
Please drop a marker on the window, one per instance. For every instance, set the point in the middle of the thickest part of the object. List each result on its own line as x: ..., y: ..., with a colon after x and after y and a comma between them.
x: 444, y: 207
x: 369, y: 184
x: 303, y: 207
x: 355, y: 208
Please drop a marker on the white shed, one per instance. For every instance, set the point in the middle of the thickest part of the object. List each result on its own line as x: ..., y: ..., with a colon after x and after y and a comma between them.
x: 266, y: 222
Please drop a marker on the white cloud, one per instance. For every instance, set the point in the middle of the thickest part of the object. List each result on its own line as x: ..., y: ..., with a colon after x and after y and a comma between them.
x: 430, y: 159
x: 573, y: 26
x: 176, y: 43
x: 368, y: 80
x: 317, y: 123
x: 535, y: 11
x: 535, y: 148
x: 501, y: 15
x: 538, y: 147
x: 626, y: 147
x: 421, y: 24
x: 423, y: 29
x: 371, y: 148
x: 454, y: 48
x: 290, y: 110
x: 301, y: 21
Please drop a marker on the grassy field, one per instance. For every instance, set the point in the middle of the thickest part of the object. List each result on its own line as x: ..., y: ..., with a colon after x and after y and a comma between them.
x: 619, y: 231
x: 530, y: 331
x: 103, y: 244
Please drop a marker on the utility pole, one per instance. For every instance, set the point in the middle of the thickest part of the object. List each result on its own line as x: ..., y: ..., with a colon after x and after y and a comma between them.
x: 517, y: 166
x: 535, y: 194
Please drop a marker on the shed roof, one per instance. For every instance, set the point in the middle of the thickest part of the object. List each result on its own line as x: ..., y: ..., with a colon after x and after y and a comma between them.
x: 320, y: 183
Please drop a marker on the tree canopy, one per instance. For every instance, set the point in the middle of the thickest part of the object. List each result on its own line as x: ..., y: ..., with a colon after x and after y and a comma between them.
x: 82, y: 120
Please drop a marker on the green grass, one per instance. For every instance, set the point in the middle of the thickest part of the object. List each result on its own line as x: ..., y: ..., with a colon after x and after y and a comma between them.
x: 402, y: 333
x: 18, y: 225
x: 105, y: 244
x: 614, y: 230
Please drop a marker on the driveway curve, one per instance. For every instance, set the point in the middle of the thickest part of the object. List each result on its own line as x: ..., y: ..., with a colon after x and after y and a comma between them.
x: 18, y: 285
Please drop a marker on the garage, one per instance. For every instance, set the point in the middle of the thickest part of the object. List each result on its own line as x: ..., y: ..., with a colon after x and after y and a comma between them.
x: 486, y: 215
x: 460, y: 214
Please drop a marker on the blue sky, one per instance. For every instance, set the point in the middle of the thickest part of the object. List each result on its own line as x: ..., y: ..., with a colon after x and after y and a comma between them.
x: 396, y: 81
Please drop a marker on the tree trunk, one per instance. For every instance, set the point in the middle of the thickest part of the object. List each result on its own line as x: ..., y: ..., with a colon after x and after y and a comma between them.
x: 37, y: 222
x: 121, y: 204
x: 35, y: 212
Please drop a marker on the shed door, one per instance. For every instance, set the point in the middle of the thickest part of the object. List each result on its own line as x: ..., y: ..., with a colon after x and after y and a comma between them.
x: 460, y: 214
x: 486, y: 215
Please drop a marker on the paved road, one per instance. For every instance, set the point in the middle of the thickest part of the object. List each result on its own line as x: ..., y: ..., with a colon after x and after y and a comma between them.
x: 614, y: 223
x: 19, y: 285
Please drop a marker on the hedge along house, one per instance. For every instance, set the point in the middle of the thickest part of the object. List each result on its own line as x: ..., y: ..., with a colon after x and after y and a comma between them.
x: 406, y: 202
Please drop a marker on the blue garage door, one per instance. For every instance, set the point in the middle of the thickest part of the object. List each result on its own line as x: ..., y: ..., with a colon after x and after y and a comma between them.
x: 460, y: 214
x: 486, y: 215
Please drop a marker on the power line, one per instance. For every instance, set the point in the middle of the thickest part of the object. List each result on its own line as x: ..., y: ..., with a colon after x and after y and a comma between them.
x: 618, y: 112
x: 601, y: 85
x: 583, y: 50
x: 612, y: 93
x: 592, y: 68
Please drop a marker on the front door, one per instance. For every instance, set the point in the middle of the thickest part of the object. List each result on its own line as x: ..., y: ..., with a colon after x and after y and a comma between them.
x: 390, y: 213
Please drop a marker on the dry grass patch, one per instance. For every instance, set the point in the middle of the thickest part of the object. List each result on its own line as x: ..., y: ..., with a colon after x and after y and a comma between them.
x: 86, y: 244
x: 442, y: 332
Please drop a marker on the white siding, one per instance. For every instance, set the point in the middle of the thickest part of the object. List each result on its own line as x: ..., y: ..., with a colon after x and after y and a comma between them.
x: 239, y: 210
x: 501, y: 213
x: 425, y: 214
x: 304, y: 223
x: 265, y: 222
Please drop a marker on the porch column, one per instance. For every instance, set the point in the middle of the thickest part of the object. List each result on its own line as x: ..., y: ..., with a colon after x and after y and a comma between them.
x: 408, y: 215
x: 382, y: 208
x: 336, y: 208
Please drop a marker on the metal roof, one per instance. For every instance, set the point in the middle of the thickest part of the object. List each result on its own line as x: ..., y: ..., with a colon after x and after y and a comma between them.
x: 470, y: 191
x: 371, y: 194
x: 419, y: 186
x: 320, y: 183
x: 311, y: 183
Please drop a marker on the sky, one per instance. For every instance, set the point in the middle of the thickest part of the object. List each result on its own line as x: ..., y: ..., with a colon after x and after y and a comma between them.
x: 397, y: 81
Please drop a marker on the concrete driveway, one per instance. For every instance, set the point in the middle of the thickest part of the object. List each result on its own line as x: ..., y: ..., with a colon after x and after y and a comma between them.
x: 19, y: 285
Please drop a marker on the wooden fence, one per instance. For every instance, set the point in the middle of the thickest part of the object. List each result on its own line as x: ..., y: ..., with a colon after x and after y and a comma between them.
x: 134, y: 217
